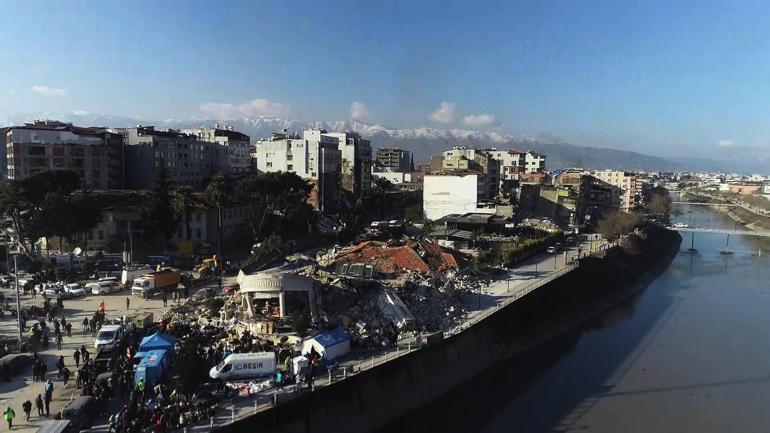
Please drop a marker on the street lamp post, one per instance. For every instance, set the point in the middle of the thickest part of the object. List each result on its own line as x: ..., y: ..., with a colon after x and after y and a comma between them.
x: 18, y: 296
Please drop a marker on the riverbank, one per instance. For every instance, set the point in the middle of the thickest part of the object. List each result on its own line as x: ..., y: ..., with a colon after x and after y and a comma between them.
x: 746, y: 217
x: 374, y: 398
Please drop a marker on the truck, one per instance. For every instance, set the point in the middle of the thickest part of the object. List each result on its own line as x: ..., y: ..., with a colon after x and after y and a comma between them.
x: 129, y: 274
x: 166, y: 279
x: 244, y: 366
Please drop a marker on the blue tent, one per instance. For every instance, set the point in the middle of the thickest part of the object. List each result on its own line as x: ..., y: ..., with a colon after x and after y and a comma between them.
x: 157, y: 341
x: 331, y: 345
x: 154, y: 368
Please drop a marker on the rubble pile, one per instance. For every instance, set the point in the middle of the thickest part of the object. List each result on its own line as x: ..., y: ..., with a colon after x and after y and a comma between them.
x: 540, y: 224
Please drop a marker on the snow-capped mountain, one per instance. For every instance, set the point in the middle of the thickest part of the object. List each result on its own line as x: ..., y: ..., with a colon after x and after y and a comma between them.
x: 423, y: 142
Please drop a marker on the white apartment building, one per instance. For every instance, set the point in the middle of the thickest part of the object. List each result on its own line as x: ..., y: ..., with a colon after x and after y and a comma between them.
x: 512, y: 163
x: 314, y: 156
x: 627, y: 182
x: 534, y: 162
x: 444, y: 195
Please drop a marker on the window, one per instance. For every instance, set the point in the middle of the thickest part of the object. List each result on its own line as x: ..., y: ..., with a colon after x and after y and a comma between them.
x: 269, y: 164
x: 101, y: 234
x: 290, y: 167
x: 197, y: 233
x: 197, y: 216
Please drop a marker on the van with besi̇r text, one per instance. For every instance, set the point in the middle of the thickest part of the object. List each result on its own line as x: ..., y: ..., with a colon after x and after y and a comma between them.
x: 244, y: 366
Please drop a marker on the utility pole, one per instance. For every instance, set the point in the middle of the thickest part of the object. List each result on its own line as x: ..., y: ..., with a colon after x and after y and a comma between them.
x: 18, y: 296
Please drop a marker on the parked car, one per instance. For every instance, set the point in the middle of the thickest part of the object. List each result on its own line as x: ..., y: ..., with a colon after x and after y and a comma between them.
x: 104, y: 287
x: 75, y: 289
x: 551, y: 250
x: 6, y: 280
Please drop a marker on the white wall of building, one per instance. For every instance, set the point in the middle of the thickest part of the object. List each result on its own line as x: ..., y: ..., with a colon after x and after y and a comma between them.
x: 445, y: 195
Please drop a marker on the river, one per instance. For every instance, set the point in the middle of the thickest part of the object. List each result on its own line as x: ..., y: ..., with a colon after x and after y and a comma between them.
x: 689, y: 353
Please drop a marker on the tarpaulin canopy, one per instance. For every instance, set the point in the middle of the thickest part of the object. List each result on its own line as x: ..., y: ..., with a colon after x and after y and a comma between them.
x: 157, y: 341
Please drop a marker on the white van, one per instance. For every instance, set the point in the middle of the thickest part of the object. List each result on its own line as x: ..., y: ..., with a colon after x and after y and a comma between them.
x: 103, y: 287
x: 244, y: 366
x: 108, y: 335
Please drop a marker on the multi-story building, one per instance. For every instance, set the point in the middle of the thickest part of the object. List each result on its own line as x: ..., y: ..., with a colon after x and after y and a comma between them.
x: 232, y: 155
x: 394, y: 159
x: 356, y: 169
x: 187, y: 158
x: 534, y: 162
x: 460, y: 193
x: 3, y: 156
x: 93, y: 153
x: 461, y: 159
x: 630, y: 193
x: 314, y: 156
x: 512, y: 163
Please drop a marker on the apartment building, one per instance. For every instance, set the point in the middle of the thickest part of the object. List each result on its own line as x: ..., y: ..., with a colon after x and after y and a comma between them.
x: 314, y: 156
x: 630, y: 192
x: 231, y: 155
x: 394, y: 160
x: 95, y: 154
x: 463, y: 159
x: 188, y: 159
x: 534, y: 162
x: 356, y: 169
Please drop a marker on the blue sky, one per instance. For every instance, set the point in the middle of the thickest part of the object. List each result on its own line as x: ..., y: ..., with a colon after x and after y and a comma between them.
x: 675, y: 78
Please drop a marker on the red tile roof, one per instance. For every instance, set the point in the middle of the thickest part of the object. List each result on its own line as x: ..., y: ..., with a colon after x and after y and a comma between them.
x: 386, y: 260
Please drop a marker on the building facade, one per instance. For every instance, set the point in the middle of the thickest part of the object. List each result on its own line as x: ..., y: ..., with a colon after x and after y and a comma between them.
x: 356, y: 168
x: 231, y: 156
x: 314, y: 156
x: 534, y: 162
x: 95, y: 154
x: 627, y: 183
x: 394, y: 159
x: 448, y: 194
x: 188, y: 159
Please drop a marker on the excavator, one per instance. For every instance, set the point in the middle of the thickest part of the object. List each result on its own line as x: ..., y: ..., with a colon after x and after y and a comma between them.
x: 206, y: 268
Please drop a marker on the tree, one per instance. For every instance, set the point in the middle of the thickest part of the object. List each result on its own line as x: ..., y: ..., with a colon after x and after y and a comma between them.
x: 158, y: 216
x: 273, y: 242
x: 41, y: 205
x: 189, y: 367
x: 615, y: 224
x: 184, y: 203
x: 218, y: 192
x: 277, y: 201
x: 660, y: 202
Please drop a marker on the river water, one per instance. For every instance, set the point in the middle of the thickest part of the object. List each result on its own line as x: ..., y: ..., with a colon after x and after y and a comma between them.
x: 690, y: 353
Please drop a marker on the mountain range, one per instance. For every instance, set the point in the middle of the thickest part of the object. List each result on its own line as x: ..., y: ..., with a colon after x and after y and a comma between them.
x: 423, y: 142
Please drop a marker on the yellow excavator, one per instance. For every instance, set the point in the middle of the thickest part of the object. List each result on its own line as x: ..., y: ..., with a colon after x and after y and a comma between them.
x: 206, y: 267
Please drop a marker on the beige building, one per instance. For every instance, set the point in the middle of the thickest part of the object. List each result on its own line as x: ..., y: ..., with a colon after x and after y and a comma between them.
x: 627, y: 183
x: 93, y: 153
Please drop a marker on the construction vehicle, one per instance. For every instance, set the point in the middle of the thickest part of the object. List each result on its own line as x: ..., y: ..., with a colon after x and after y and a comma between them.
x: 165, y: 279
x: 206, y: 268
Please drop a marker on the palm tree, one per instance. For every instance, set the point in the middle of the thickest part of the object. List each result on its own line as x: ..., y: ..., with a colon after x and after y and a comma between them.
x: 218, y: 193
x: 184, y: 203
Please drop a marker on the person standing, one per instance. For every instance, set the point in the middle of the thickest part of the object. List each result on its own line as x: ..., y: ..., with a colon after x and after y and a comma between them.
x: 85, y: 325
x: 128, y: 303
x: 76, y: 355
x: 60, y: 365
x: 59, y: 340
x: 48, y: 397
x: 27, y: 407
x: 39, y: 405
x: 165, y: 299
x: 65, y: 375
x: 9, y: 415
x: 68, y: 327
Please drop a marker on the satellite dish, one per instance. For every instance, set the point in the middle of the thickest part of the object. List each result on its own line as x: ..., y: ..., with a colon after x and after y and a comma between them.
x: 77, y: 251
